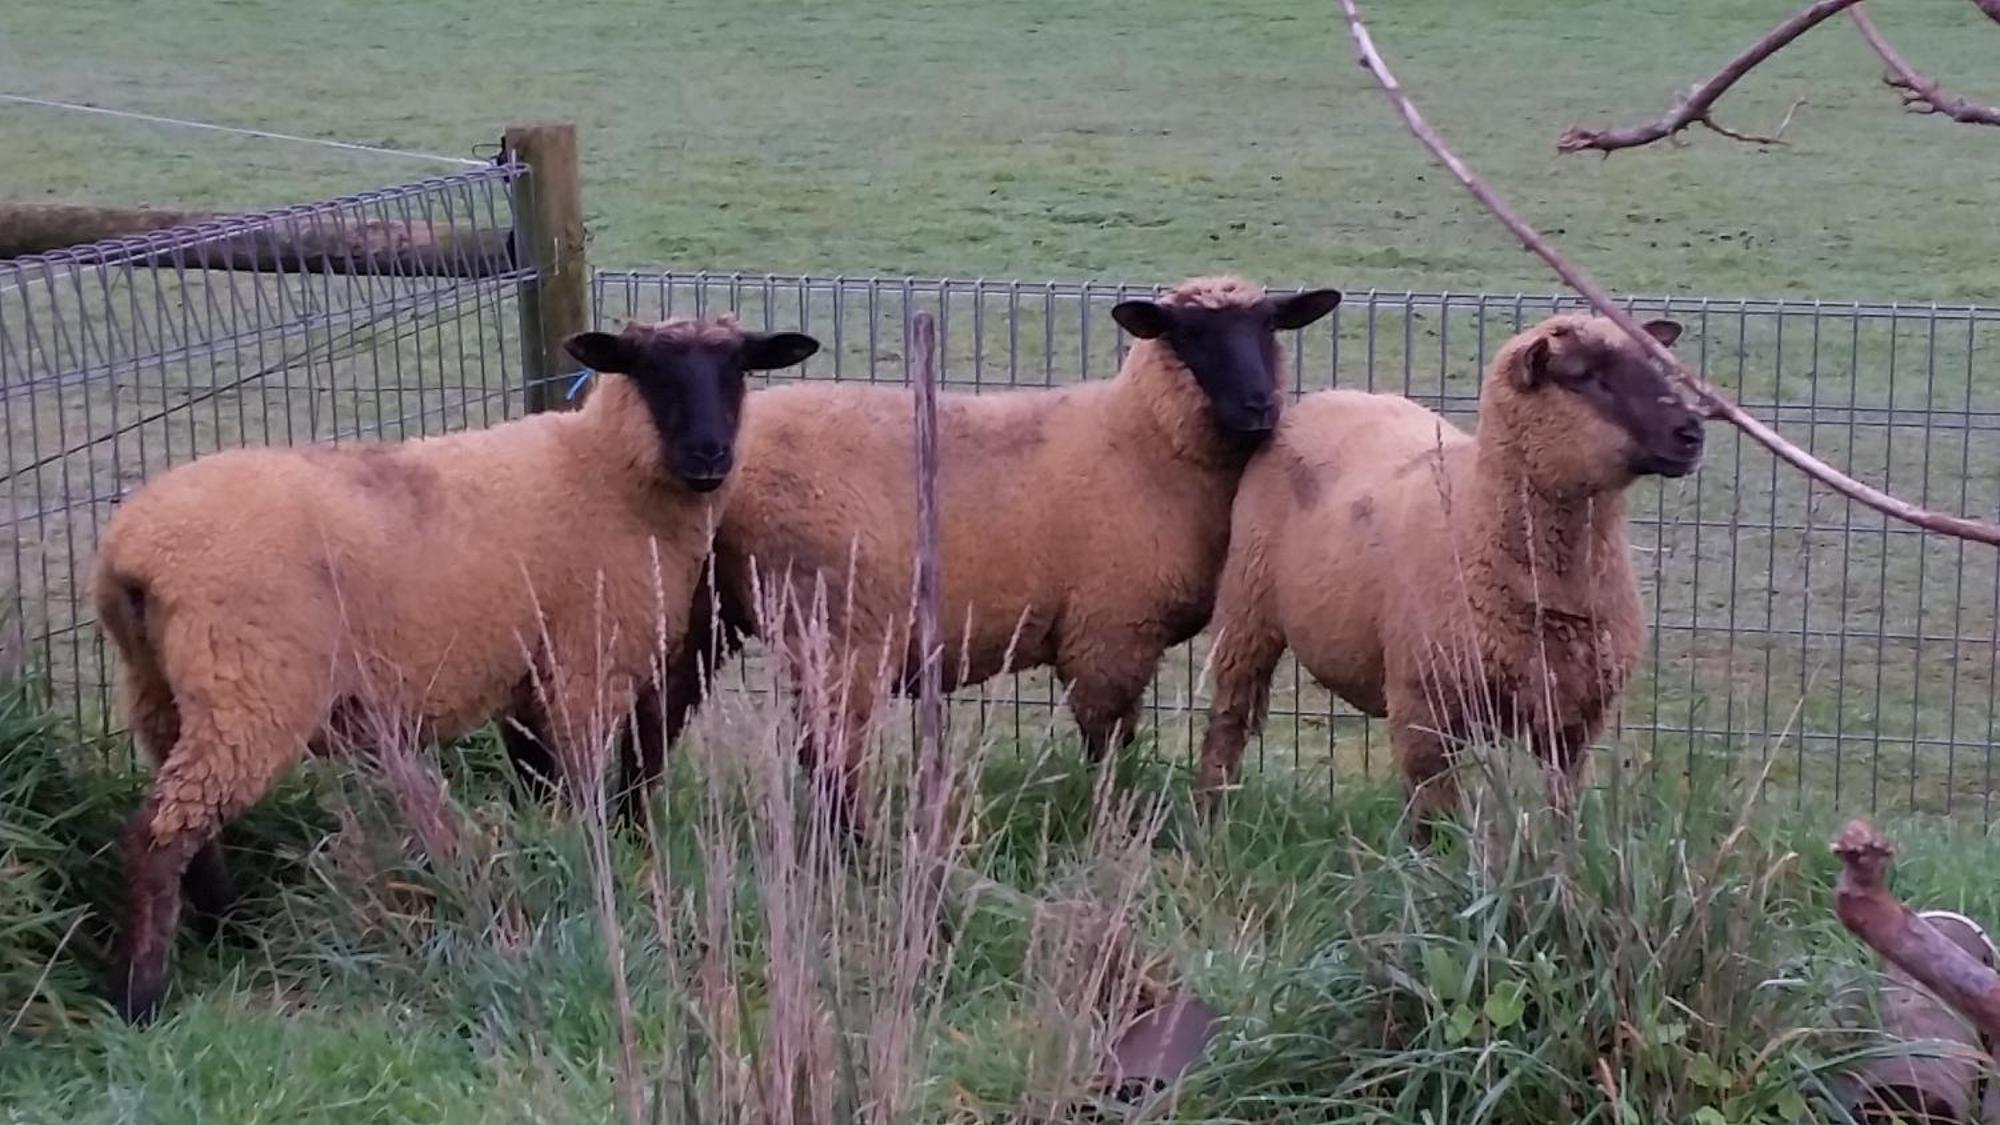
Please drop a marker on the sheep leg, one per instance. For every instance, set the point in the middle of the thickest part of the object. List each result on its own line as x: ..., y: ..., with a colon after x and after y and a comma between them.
x: 524, y: 734
x: 206, y: 780
x: 584, y: 716
x: 1107, y: 714
x: 1430, y: 790
x: 1105, y: 689
x: 642, y: 758
x: 663, y: 710
x: 1568, y: 766
x: 834, y: 756
x: 153, y: 873
x: 1244, y: 658
x: 835, y: 706
x: 156, y: 725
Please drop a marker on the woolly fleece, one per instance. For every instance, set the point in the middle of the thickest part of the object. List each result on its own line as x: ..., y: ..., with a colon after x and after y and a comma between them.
x: 1462, y: 587
x: 1082, y: 527
x: 259, y: 596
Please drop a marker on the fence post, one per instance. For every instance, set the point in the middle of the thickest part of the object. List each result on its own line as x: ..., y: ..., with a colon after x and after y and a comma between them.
x: 932, y: 770
x: 548, y: 231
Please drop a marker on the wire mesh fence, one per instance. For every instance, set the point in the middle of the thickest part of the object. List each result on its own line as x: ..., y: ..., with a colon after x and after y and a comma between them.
x: 1791, y: 629
x: 1854, y: 657
x: 383, y: 314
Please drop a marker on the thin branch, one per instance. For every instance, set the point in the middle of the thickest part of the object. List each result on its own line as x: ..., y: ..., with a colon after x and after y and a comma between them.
x: 1718, y: 405
x: 1862, y: 900
x: 1775, y: 137
x: 1697, y: 106
x: 1921, y: 93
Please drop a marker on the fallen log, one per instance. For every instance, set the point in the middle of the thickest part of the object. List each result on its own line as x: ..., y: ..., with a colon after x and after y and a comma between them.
x: 308, y: 242
x: 1940, y: 987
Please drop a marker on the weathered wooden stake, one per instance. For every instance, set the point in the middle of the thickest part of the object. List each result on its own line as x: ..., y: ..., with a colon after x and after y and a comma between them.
x: 931, y: 768
x: 548, y: 222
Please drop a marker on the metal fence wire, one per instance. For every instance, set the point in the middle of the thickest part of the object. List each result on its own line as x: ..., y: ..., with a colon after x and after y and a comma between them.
x: 387, y: 314
x: 1791, y: 629
x: 1853, y: 657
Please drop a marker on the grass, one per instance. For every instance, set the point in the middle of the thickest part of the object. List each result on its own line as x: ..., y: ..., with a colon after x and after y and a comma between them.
x: 1032, y: 138
x: 1670, y: 957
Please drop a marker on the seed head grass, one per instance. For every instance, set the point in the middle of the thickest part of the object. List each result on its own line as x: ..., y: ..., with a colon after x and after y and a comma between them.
x: 418, y: 943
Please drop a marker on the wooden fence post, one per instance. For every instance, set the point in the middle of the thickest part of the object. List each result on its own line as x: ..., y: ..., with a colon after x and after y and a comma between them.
x: 548, y: 225
x: 933, y: 772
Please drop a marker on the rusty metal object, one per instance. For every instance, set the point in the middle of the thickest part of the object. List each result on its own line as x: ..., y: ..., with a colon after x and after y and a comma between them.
x: 1160, y: 1046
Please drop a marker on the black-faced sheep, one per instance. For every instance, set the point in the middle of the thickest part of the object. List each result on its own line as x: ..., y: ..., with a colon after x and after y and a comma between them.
x: 258, y: 597
x: 1082, y: 527
x: 1461, y: 586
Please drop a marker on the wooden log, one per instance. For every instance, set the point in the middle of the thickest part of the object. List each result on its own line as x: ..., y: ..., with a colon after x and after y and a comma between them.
x: 548, y: 218
x: 1864, y: 905
x: 1934, y: 1085
x: 1940, y: 986
x: 314, y: 242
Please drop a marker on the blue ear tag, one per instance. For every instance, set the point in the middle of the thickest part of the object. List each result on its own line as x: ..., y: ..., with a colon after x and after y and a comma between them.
x: 576, y: 385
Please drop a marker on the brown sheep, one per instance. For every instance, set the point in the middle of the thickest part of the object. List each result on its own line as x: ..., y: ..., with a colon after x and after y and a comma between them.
x: 1461, y: 586
x: 1082, y: 527
x: 262, y: 598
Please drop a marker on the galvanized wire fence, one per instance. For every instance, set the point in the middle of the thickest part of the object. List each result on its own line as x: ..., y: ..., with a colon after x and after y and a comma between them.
x: 385, y: 314
x: 1853, y: 656
x: 1791, y: 629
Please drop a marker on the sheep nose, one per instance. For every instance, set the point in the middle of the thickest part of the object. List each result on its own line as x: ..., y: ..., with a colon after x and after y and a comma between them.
x: 707, y: 452
x: 1264, y: 411
x: 1689, y: 433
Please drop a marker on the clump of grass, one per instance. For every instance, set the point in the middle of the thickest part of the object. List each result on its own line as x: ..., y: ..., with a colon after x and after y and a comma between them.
x: 1656, y: 959
x: 1665, y: 955
x: 43, y: 901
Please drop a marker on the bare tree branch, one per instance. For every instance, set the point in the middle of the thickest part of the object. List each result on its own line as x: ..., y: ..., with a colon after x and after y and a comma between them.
x: 1697, y: 106
x: 1862, y: 901
x: 1719, y: 405
x: 1921, y: 93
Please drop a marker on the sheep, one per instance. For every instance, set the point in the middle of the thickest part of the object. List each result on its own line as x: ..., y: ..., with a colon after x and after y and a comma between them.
x: 1460, y: 586
x: 262, y: 600
x: 1082, y: 527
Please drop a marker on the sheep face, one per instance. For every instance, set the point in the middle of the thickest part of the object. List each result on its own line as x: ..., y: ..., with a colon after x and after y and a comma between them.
x: 691, y: 376
x: 1232, y: 350
x: 1603, y: 411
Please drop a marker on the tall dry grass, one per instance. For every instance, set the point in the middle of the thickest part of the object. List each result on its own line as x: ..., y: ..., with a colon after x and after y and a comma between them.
x: 1663, y: 953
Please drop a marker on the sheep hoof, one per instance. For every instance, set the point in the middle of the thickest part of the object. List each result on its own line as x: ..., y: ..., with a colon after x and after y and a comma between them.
x: 138, y: 1004
x: 1421, y: 832
x: 1208, y: 802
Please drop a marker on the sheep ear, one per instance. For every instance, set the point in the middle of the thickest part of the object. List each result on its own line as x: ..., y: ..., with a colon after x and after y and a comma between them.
x: 1301, y: 310
x: 1147, y: 320
x: 600, y: 351
x: 1665, y: 331
x: 1533, y: 370
x: 780, y: 349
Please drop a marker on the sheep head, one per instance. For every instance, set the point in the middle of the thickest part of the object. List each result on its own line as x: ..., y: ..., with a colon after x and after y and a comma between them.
x: 1223, y: 331
x: 1589, y: 408
x: 691, y: 375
